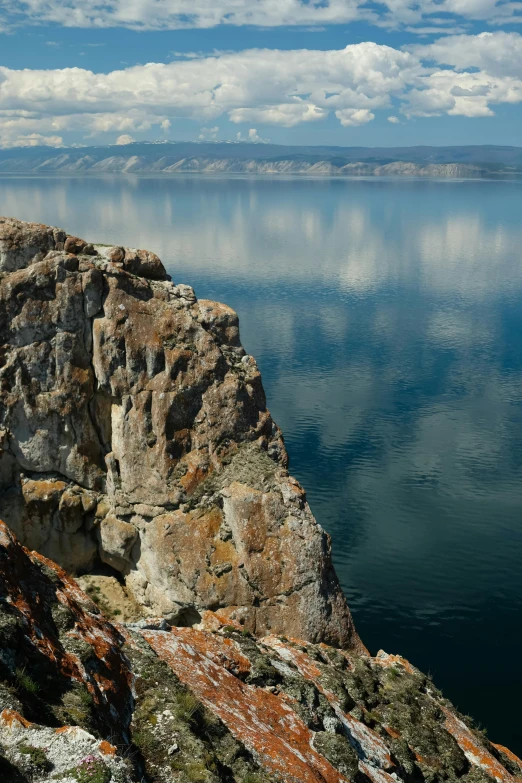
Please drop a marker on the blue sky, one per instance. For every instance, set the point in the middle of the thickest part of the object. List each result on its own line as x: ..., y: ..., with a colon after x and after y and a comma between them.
x: 340, y: 72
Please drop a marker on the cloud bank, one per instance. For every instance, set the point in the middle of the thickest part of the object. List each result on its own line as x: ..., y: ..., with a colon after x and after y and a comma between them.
x: 458, y: 75
x: 182, y: 14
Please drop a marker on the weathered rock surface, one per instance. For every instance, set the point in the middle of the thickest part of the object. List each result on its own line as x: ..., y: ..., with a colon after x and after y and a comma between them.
x: 86, y: 701
x: 134, y: 433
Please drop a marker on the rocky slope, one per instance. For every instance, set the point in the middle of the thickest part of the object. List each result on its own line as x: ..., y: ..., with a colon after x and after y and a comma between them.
x: 134, y: 433
x: 83, y: 700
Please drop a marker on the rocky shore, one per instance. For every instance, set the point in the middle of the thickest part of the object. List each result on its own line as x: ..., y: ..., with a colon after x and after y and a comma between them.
x: 211, y: 640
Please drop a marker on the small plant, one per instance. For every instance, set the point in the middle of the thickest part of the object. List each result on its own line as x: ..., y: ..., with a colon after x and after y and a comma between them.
x: 188, y: 706
x: 91, y: 769
x: 85, y: 698
x: 196, y: 772
x: 26, y: 682
x: 145, y: 742
x: 372, y: 717
x: 37, y: 757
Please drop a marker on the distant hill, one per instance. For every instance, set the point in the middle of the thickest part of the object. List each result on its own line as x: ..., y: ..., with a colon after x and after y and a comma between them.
x: 268, y: 159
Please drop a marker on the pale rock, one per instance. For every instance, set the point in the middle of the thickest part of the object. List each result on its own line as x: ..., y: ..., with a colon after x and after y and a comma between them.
x: 135, y: 433
x: 116, y: 541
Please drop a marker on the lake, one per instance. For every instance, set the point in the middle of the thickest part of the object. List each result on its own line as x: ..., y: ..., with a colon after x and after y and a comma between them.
x: 386, y: 318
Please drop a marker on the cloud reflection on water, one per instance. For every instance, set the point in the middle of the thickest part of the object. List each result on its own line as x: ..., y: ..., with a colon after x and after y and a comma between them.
x: 386, y: 318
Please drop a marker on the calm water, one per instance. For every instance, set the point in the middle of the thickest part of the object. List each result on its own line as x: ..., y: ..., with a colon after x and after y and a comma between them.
x: 386, y: 317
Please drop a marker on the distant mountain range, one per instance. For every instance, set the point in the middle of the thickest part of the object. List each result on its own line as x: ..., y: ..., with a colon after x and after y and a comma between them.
x: 268, y: 159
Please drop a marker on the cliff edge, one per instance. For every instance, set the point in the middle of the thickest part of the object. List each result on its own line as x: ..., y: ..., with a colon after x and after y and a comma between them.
x: 134, y: 433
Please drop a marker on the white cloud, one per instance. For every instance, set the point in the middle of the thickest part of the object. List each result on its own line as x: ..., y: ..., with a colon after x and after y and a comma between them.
x: 124, y: 139
x: 267, y: 87
x: 463, y: 93
x: 254, y: 86
x: 253, y: 137
x: 498, y: 53
x: 285, y: 114
x: 31, y: 140
x: 208, y: 134
x: 349, y: 117
x: 393, y: 120
x: 312, y: 14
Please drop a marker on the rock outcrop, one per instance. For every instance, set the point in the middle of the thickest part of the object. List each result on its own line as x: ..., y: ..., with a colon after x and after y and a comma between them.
x: 83, y: 700
x: 134, y: 433
x: 135, y: 438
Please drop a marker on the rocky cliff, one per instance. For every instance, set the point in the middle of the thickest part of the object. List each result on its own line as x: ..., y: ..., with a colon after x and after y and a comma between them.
x: 83, y: 700
x: 136, y: 450
x: 134, y: 433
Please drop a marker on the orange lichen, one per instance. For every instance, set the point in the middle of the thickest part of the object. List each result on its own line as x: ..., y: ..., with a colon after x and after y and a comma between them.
x: 214, y: 621
x: 392, y: 732
x: 107, y: 749
x: 371, y: 745
x: 109, y: 683
x: 509, y: 753
x: 473, y: 751
x: 220, y: 650
x: 197, y: 471
x: 267, y: 726
x: 11, y: 719
x: 376, y: 775
x: 386, y: 661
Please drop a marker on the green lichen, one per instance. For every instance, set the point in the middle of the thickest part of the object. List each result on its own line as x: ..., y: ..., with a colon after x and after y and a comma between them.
x: 63, y: 617
x: 338, y: 751
x: 37, y: 757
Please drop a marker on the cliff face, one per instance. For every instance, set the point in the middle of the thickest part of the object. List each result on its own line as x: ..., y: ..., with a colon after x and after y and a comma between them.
x: 134, y: 436
x: 86, y: 701
x: 134, y: 432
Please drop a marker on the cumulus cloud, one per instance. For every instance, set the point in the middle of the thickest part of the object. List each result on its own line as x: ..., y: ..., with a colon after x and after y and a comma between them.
x: 31, y: 140
x: 267, y: 87
x: 394, y: 120
x: 498, y: 53
x: 124, y: 139
x: 349, y: 117
x: 253, y: 137
x: 208, y: 134
x: 312, y: 14
x: 285, y: 114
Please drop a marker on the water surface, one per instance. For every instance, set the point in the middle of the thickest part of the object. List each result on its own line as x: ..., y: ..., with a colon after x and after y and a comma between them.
x: 386, y: 317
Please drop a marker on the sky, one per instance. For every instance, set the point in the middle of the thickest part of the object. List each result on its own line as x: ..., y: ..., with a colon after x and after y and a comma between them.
x: 339, y: 72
